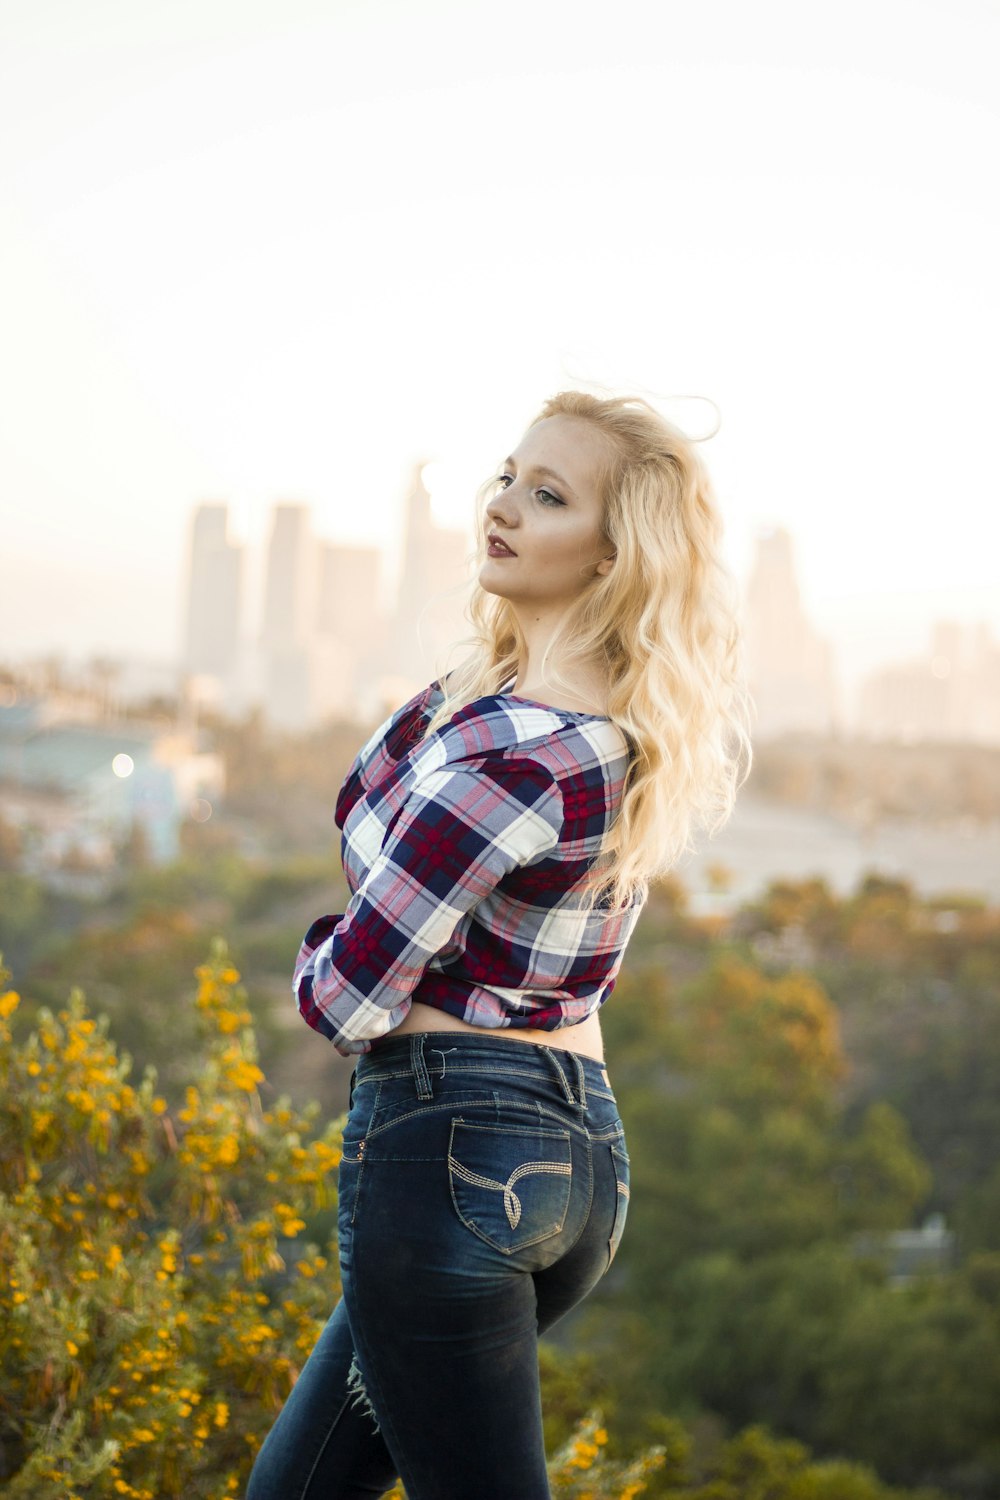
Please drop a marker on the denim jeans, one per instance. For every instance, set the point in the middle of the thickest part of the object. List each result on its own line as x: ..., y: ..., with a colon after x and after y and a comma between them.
x: 483, y: 1192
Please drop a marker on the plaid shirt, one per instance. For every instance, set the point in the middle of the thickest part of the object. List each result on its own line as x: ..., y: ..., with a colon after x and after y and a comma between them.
x: 461, y: 855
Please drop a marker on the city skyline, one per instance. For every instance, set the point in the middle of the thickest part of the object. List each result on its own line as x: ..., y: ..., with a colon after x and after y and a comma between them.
x: 279, y: 253
x: 302, y: 658
x: 296, y: 655
x: 247, y: 555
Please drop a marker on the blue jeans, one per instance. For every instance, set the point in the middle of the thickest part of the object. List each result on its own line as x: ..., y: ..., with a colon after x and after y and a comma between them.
x: 483, y: 1192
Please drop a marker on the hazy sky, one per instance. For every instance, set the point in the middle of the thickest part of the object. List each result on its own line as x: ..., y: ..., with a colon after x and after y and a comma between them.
x: 279, y: 250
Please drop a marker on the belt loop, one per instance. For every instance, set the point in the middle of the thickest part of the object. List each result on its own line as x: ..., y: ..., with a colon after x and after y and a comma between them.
x: 560, y: 1072
x: 350, y: 1097
x: 420, y: 1073
x: 581, y: 1081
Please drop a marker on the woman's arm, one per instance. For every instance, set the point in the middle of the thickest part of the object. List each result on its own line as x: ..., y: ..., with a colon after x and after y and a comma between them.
x: 459, y: 832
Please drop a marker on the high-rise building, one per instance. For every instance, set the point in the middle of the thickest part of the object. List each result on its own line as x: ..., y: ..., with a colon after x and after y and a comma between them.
x: 905, y: 700
x: 429, y: 614
x: 214, y: 596
x: 951, y: 692
x: 789, y: 666
x: 288, y: 640
x: 352, y: 626
x: 290, y: 581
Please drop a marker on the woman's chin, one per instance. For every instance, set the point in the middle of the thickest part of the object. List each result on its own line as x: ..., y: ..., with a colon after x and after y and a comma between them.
x: 490, y: 579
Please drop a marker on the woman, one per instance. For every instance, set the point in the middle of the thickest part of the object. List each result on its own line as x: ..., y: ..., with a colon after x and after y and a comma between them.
x: 499, y: 835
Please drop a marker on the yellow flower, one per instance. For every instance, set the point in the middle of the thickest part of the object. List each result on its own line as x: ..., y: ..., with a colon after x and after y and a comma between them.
x: 72, y: 1348
x: 244, y: 1075
x: 9, y: 1003
x: 228, y: 1150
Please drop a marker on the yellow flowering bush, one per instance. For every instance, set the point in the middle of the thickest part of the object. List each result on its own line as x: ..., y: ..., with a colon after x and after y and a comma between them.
x: 152, y: 1320
x: 581, y: 1470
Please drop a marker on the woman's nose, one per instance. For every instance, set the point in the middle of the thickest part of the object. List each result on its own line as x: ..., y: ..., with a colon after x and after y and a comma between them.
x: 505, y: 500
x: 501, y: 514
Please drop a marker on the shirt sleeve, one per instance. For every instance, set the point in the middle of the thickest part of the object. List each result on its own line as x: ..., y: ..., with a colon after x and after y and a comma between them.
x: 463, y: 828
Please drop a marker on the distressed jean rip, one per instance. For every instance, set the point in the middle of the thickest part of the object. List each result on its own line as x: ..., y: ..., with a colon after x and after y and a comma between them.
x: 359, y: 1396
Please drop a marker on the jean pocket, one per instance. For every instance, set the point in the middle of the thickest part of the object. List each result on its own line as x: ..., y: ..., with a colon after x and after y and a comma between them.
x: 619, y: 1158
x: 510, y: 1184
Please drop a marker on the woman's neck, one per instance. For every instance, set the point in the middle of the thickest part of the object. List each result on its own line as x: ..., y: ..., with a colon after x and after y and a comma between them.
x: 585, y: 686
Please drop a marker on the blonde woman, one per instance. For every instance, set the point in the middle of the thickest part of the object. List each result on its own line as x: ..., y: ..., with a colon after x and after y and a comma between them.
x: 500, y: 832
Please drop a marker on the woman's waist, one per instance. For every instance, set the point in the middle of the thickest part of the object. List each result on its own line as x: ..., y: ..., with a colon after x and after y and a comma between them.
x: 474, y: 1054
x: 583, y: 1037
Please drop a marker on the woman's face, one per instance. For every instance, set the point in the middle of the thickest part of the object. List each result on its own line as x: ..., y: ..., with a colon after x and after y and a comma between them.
x: 549, y: 513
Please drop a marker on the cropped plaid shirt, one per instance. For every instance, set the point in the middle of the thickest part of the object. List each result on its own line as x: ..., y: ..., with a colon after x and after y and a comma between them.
x: 461, y: 855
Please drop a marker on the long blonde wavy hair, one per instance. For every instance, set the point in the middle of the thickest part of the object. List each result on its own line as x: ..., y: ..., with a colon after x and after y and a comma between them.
x: 662, y: 626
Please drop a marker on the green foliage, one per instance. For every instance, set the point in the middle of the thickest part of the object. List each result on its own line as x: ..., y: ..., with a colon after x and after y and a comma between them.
x: 23, y: 909
x: 822, y: 1069
x: 739, y: 1287
x: 757, y: 1466
x: 916, y: 1374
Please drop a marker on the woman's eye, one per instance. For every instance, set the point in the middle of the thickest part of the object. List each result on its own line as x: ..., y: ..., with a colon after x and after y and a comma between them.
x: 503, y: 480
x: 554, y: 498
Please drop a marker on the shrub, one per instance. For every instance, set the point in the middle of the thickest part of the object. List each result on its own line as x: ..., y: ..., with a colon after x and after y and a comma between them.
x: 152, y: 1319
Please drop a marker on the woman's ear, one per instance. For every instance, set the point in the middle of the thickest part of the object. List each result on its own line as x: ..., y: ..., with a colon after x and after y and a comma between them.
x: 606, y: 563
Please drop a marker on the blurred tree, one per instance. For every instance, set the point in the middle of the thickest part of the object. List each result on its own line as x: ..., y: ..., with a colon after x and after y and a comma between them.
x: 11, y: 846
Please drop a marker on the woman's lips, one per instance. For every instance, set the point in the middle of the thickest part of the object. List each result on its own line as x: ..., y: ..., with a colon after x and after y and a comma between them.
x: 499, y: 550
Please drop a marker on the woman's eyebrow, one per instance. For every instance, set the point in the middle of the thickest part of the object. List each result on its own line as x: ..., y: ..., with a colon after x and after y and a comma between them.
x: 545, y: 474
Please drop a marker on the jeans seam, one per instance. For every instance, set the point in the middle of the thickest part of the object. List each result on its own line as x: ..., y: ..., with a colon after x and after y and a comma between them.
x: 445, y: 1104
x: 590, y: 1196
x: 384, y: 1422
x: 623, y: 1194
x: 304, y: 1493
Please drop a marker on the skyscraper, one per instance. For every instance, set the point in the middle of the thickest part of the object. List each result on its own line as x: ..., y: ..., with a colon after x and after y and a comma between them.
x: 429, y: 612
x: 352, y: 627
x: 789, y: 666
x: 291, y: 579
x: 214, y: 596
x: 288, y: 629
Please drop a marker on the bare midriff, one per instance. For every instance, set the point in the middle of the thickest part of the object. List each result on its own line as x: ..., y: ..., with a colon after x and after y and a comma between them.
x: 584, y: 1037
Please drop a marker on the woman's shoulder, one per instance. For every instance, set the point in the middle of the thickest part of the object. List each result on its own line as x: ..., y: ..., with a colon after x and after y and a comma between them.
x: 498, y: 725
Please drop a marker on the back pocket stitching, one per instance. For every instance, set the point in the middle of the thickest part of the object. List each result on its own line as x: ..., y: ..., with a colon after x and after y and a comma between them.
x: 511, y: 1202
x: 457, y: 1169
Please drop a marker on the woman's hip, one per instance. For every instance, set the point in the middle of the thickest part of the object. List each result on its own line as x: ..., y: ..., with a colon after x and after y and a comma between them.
x: 472, y: 1156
